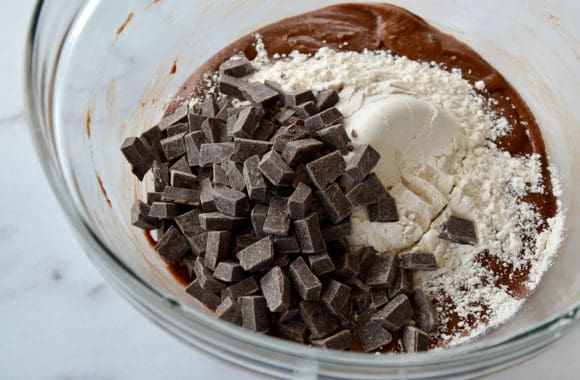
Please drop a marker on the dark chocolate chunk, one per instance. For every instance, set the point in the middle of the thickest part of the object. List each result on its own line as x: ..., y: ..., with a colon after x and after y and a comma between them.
x: 224, y: 106
x: 208, y: 108
x: 176, y: 129
x: 346, y: 182
x: 327, y: 117
x: 326, y: 99
x: 181, y: 165
x: 301, y: 151
x: 193, y: 143
x: 459, y: 230
x: 318, y: 319
x: 219, y: 175
x: 231, y: 86
x: 276, y: 289
x: 419, y: 261
x: 188, y: 223
x: 334, y: 295
x: 218, y: 152
x: 212, y: 128
x: 425, y: 314
x: 341, y: 340
x: 254, y: 313
x: 384, y: 271
x: 140, y: 216
x: 294, y: 330
x: 364, y: 160
x: 172, y: 246
x: 259, y: 93
x: 160, y: 175
x: 320, y: 263
x: 247, y: 122
x: 173, y: 147
x: 300, y: 201
x: 286, y: 245
x: 305, y: 110
x: 153, y: 137
x: 265, y: 130
x: 294, y: 98
x: 335, y: 137
x: 385, y: 210
x: 347, y: 266
x: 379, y: 297
x: 229, y: 310
x: 367, y: 192
x: 361, y: 299
x: 258, y: 217
x: 182, y: 179
x: 178, y: 116
x: 255, y: 183
x: 403, y: 284
x: 335, y: 232
x: 415, y: 340
x: 217, y: 248
x: 139, y: 155
x: 325, y: 170
x: 218, y: 221
x: 367, y: 257
x: 234, y: 172
x: 371, y: 334
x: 205, y: 277
x: 335, y: 203
x: 245, y: 287
x: 309, y: 235
x: 230, y: 202
x: 180, y: 195
x: 337, y: 247
x: 206, y: 196
x: 277, y: 220
x: 246, y: 148
x: 257, y: 256
x: 153, y: 196
x: 195, y: 120
x: 292, y: 132
x: 228, y: 271
x: 244, y: 241
x: 163, y: 210
x: 207, y: 298
x: 395, y: 314
x: 284, y: 115
x: 237, y: 66
x: 306, y: 284
x: 273, y: 167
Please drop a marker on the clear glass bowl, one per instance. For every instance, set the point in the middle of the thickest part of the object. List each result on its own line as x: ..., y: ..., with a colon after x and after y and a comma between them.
x: 99, y: 71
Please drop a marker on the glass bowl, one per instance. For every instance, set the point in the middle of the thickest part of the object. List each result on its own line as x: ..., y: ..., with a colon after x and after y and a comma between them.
x: 99, y: 71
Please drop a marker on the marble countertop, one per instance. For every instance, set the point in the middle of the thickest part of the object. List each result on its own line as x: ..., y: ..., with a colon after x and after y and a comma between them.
x: 59, y: 319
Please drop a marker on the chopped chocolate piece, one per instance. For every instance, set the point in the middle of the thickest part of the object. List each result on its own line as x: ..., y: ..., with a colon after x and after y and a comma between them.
x: 193, y: 143
x: 284, y: 114
x: 247, y: 122
x: 345, y: 316
x: 254, y: 313
x: 182, y: 179
x: 212, y: 129
x: 181, y: 165
x: 371, y: 334
x: 335, y: 137
x: 335, y: 203
x: 276, y: 289
x: 188, y: 223
x: 223, y: 111
x: 294, y: 330
x: 255, y: 183
x: 207, y: 298
x: 309, y: 235
x: 319, y: 210
x: 139, y: 154
x: 153, y: 137
x: 217, y: 221
x: 281, y: 260
x: 237, y: 66
x: 322, y: 119
x: 403, y: 284
x: 163, y: 210
x: 334, y: 295
x: 294, y: 98
x: 244, y: 241
x: 361, y: 300
x: 418, y: 261
x: 367, y: 257
x: 384, y: 271
x: 337, y: 247
x: 230, y: 202
x: 341, y: 340
x: 176, y: 129
x: 300, y: 175
x: 364, y: 160
x: 218, y: 152
x: 385, y: 210
x: 320, y: 263
x: 319, y: 321
x: 173, y: 147
x: 180, y: 195
x: 273, y: 167
x: 395, y: 314
x: 326, y: 99
x: 195, y: 121
x: 217, y: 248
x: 325, y: 170
x: 228, y: 271
x: 140, y: 216
x: 257, y: 256
x: 459, y: 230
x: 286, y: 245
x: 205, y: 277
x: 367, y: 192
x: 208, y: 108
x: 231, y: 86
x: 152, y: 197
x: 265, y: 130
x: 300, y: 201
x: 277, y: 220
x: 425, y: 314
x: 245, y: 287
x: 229, y: 310
x: 301, y: 151
x: 347, y: 266
x: 246, y: 148
x: 178, y: 116
x: 172, y: 246
x: 379, y: 297
x: 219, y: 175
x: 259, y: 93
x: 206, y: 196
x: 305, y: 110
x: 346, y: 182
x: 415, y: 340
x: 306, y: 284
x: 292, y: 311
x: 258, y: 217
x: 335, y: 232
x: 160, y: 175
x: 197, y: 242
x: 234, y: 172
x: 292, y: 132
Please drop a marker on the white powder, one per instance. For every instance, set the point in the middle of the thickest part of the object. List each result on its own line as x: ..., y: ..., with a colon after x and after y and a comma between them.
x: 474, y: 180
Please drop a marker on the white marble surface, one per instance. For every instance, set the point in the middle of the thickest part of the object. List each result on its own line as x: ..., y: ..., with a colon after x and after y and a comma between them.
x: 59, y: 319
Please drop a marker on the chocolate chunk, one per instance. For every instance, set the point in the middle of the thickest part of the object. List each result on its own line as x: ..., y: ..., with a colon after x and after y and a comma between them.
x: 195, y: 120
x: 319, y: 321
x: 319, y: 210
x: 425, y: 314
x: 163, y: 210
x: 341, y: 340
x: 172, y: 246
x: 345, y: 316
x: 347, y: 266
x: 140, y: 216
x: 309, y: 235
x: 301, y: 151
x: 367, y: 257
x: 207, y: 298
x: 197, y: 242
x: 255, y: 183
x: 244, y: 241
x: 176, y: 129
x: 173, y: 147
x: 335, y: 232
x: 277, y: 220
x: 384, y: 271
x: 379, y: 297
x: 230, y: 202
x: 415, y: 340
x: 385, y: 210
x: 188, y: 223
x: 139, y: 155
x: 371, y: 334
x: 306, y: 284
x: 346, y: 182
x: 247, y: 122
x: 257, y: 256
x: 212, y: 128
x: 237, y: 66
x: 334, y: 295
x: 219, y: 175
x: 273, y: 167
x: 218, y: 152
x: 364, y: 160
x: 322, y: 119
x: 206, y: 196
x: 193, y: 143
x: 217, y: 248
x: 153, y: 137
x: 367, y: 192
x: 337, y: 247
x: 182, y: 179
x: 208, y: 108
x: 320, y: 263
x: 294, y: 330
x: 181, y: 165
x: 217, y: 221
x: 265, y: 130
x: 326, y: 99
x: 418, y: 261
x: 228, y: 271
x: 286, y: 245
x: 459, y: 230
x: 259, y: 93
x: 284, y: 115
x: 292, y: 132
x: 231, y: 86
x: 224, y: 106
x: 361, y: 299
x: 403, y: 284
x: 245, y: 287
x: 180, y: 195
x: 254, y: 313
x: 160, y: 175
x: 294, y: 98
x: 335, y: 203
x: 335, y: 137
x: 205, y: 277
x: 246, y: 148
x: 258, y: 217
x: 305, y: 110
x: 229, y: 310
x: 234, y: 172
x: 276, y: 289
x: 395, y: 314
x: 153, y: 196
x: 300, y: 201
x: 178, y: 116
x: 325, y: 170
